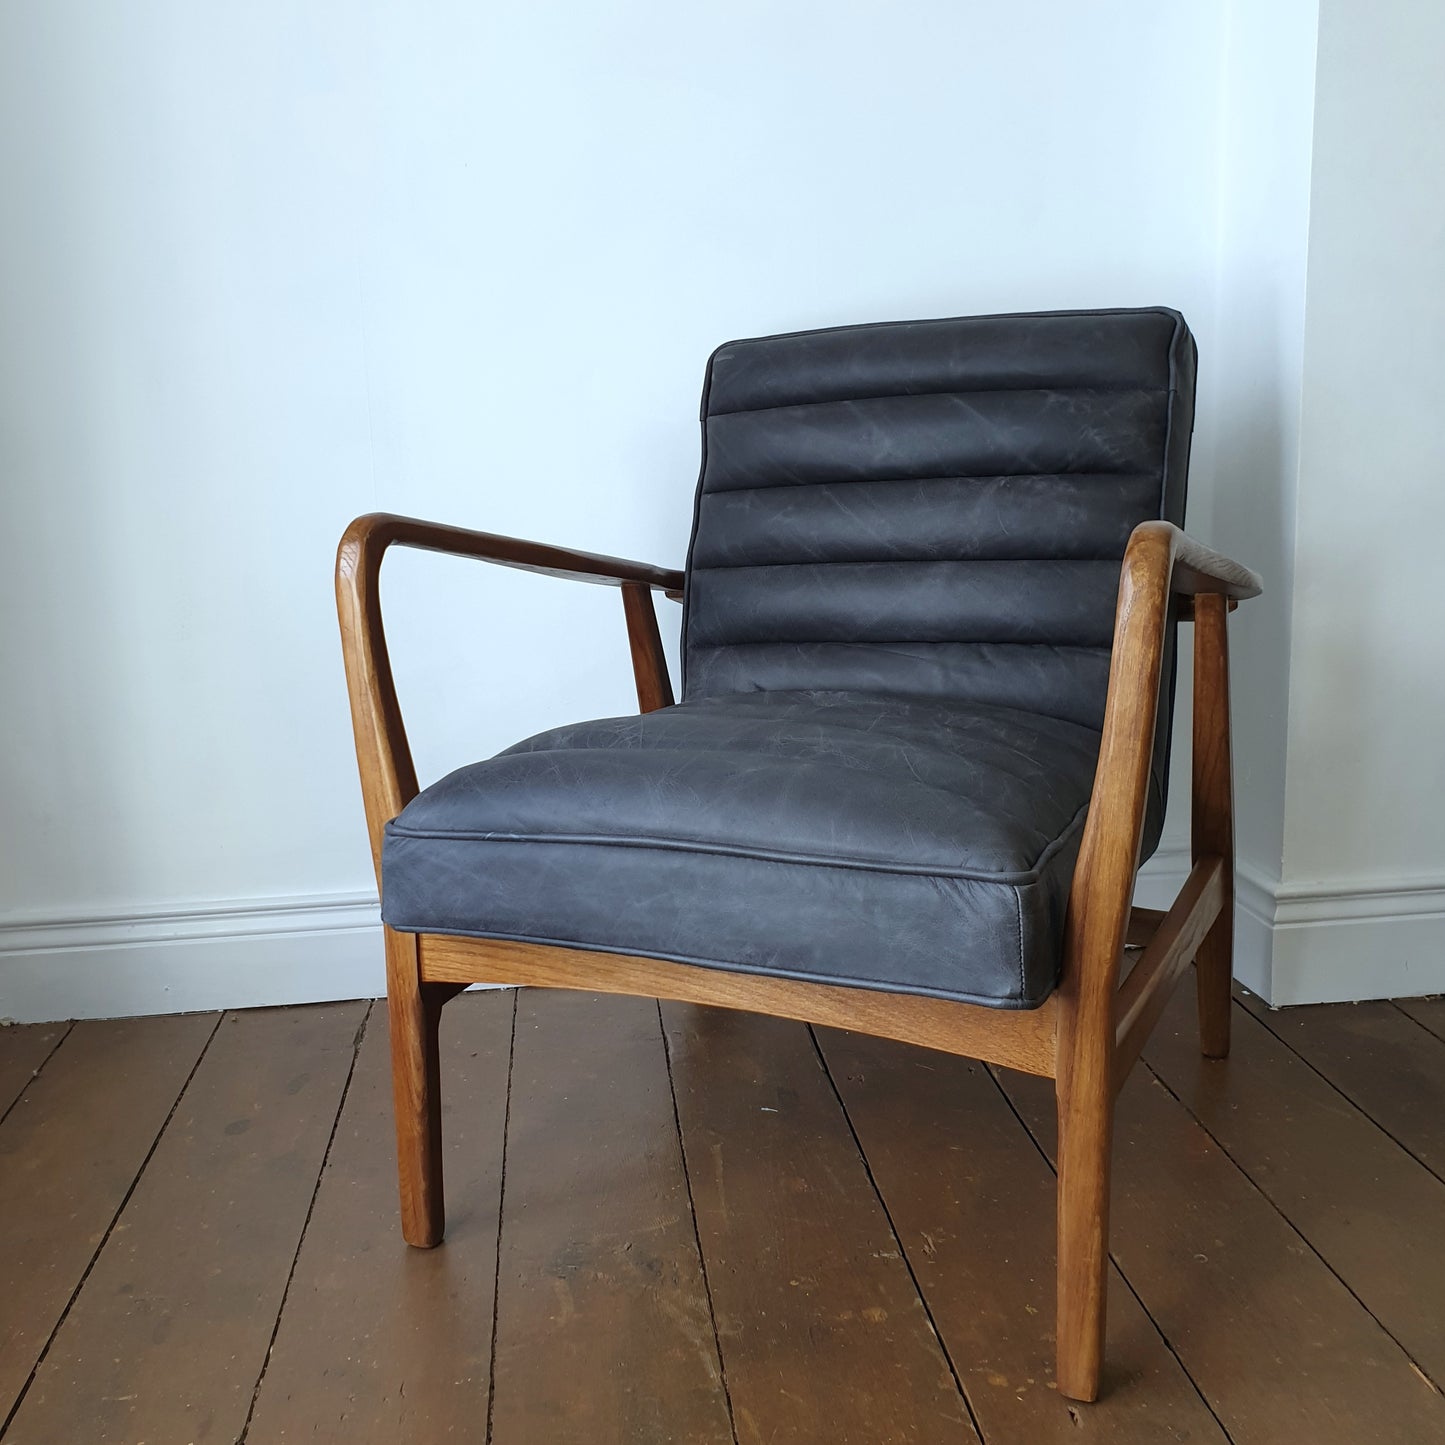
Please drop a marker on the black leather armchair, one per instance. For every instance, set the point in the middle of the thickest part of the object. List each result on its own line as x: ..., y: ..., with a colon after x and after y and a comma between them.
x: 922, y: 747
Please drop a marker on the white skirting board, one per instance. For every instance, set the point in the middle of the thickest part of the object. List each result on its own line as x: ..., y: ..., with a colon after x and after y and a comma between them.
x: 1293, y: 944
x: 1338, y: 942
x: 240, y: 954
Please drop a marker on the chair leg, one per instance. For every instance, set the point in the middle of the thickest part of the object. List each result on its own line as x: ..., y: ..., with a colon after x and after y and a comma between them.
x: 1086, y: 1128
x: 1212, y: 822
x: 1213, y: 978
x: 414, y: 1011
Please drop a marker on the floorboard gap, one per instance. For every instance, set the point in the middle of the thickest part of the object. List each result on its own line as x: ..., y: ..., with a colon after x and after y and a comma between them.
x: 306, y: 1223
x: 35, y: 1072
x: 501, y: 1217
x: 1294, y: 1229
x: 1359, y: 1108
x: 897, y: 1237
x: 992, y: 1070
x: 110, y: 1228
x: 1395, y: 1004
x: 722, y: 1368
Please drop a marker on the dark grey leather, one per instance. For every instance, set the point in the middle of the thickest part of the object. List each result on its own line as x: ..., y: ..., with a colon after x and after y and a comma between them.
x: 838, y: 836
x: 900, y: 597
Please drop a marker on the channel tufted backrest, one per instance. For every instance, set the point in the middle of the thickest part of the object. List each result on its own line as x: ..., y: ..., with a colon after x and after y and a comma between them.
x: 933, y: 508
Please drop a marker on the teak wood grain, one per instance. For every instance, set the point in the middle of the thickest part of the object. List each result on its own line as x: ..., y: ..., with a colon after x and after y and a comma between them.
x: 169, y: 1333
x: 603, y: 1326
x: 388, y: 776
x: 378, y: 1344
x: 1072, y: 1039
x: 649, y: 661
x: 824, y: 1335
x: 1212, y: 819
x: 1021, y: 1038
x: 70, y: 1150
x: 1373, y: 1213
x: 973, y: 1201
x: 1146, y: 990
x: 1096, y: 930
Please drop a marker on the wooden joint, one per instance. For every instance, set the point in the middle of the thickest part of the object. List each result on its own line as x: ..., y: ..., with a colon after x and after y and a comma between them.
x: 1186, y: 607
x: 649, y: 662
x: 1143, y: 925
x: 1143, y: 994
x: 1023, y: 1039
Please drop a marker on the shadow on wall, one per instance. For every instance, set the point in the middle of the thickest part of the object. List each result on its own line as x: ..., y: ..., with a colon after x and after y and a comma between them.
x: 1256, y: 458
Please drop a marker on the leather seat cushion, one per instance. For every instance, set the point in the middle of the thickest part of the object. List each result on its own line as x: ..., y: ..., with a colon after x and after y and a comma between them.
x: 891, y: 842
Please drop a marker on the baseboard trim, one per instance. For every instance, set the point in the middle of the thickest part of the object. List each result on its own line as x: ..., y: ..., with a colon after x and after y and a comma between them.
x: 1297, y: 943
x: 241, y: 953
x: 1334, y: 941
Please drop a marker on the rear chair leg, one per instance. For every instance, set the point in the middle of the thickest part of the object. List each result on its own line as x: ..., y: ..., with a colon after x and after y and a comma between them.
x: 1212, y: 816
x: 414, y: 1011
x: 1086, y: 1128
x: 1213, y: 978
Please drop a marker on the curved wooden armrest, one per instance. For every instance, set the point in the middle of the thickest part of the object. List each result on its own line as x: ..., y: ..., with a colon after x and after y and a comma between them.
x: 388, y: 775
x: 1193, y: 567
x: 1101, y: 1028
x: 371, y: 535
x: 1160, y: 561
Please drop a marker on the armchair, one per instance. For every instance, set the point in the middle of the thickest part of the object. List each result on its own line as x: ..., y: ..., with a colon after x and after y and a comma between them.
x: 929, y: 616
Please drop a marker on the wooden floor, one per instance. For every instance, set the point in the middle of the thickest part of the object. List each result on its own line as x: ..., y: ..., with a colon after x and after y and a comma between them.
x: 679, y: 1225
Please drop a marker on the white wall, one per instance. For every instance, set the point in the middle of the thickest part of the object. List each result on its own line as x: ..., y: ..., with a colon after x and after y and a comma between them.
x: 1254, y: 375
x: 266, y: 267
x: 1362, y: 902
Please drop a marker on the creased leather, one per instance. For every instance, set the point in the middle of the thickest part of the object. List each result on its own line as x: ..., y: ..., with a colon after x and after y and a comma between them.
x: 925, y: 844
x: 897, y: 623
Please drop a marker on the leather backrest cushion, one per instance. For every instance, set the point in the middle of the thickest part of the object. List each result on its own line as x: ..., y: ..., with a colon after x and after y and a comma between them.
x: 934, y: 508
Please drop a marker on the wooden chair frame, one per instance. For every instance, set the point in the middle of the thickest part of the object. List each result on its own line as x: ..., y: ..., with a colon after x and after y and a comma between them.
x: 1086, y: 1035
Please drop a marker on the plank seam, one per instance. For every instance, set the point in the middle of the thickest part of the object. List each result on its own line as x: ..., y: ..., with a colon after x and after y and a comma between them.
x: 109, y: 1229
x: 1355, y: 1104
x: 696, y: 1232
x: 1395, y: 1004
x: 50, y: 1054
x: 1293, y: 1227
x: 501, y: 1215
x: 897, y: 1237
x: 306, y: 1223
x: 1119, y: 1268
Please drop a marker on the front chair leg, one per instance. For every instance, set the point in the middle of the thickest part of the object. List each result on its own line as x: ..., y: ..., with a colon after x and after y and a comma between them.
x: 414, y: 1011
x: 1086, y: 1128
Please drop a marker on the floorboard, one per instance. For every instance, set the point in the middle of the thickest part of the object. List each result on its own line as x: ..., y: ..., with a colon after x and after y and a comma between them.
x: 603, y: 1327
x: 380, y: 1344
x: 1279, y: 1347
x: 973, y: 1200
x: 70, y: 1150
x: 1380, y: 1059
x: 1429, y: 1013
x: 1375, y: 1214
x: 824, y: 1335
x: 168, y: 1336
x: 685, y: 1225
x: 24, y: 1049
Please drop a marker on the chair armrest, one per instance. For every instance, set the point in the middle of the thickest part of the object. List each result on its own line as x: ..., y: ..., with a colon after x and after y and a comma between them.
x: 374, y: 533
x: 388, y: 775
x: 1160, y: 562
x: 1193, y: 567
